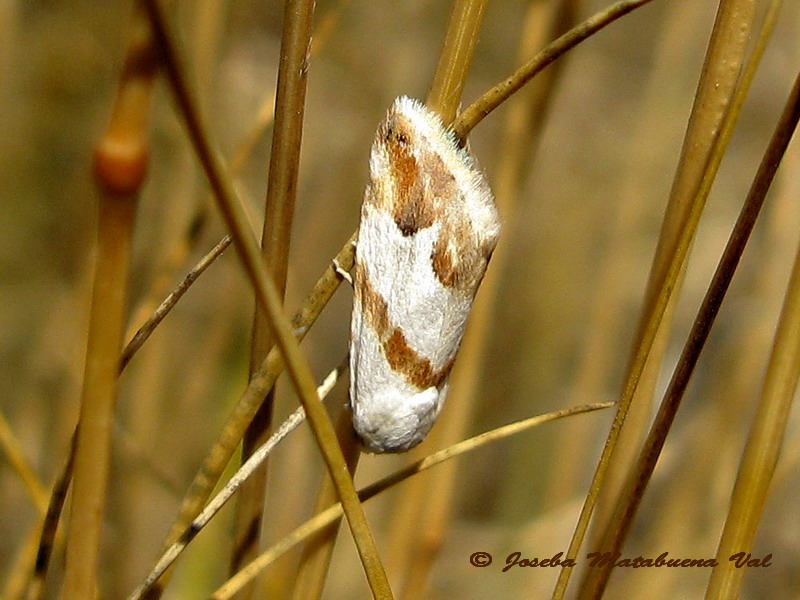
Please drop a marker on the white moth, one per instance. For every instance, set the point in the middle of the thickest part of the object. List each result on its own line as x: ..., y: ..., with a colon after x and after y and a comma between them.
x: 428, y: 227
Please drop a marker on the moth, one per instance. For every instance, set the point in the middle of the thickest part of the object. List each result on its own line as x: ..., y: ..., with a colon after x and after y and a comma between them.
x: 428, y: 227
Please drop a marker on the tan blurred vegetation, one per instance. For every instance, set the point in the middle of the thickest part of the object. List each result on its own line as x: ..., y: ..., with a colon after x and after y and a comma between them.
x: 588, y: 217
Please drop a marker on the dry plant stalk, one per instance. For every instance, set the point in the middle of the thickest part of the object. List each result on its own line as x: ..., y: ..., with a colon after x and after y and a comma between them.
x: 769, y: 424
x: 318, y: 550
x: 763, y: 447
x: 49, y: 527
x: 324, y: 519
x: 630, y: 500
x: 455, y: 58
x: 14, y: 454
x: 420, y: 545
x: 478, y: 110
x: 250, y: 466
x: 268, y: 299
x: 691, y: 188
x: 607, y: 307
x: 119, y: 168
x: 715, y: 91
x: 275, y: 238
x: 271, y: 368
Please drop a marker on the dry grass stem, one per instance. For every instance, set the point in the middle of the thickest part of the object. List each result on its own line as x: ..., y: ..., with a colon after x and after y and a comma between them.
x: 49, y: 526
x: 269, y: 300
x: 760, y: 457
x: 120, y: 165
x: 230, y: 488
x: 20, y: 465
x: 608, y: 311
x: 455, y: 58
x: 275, y: 242
x: 478, y: 110
x: 312, y: 526
x: 619, y: 527
x: 147, y: 328
x: 766, y: 435
x: 315, y: 559
x: 716, y: 88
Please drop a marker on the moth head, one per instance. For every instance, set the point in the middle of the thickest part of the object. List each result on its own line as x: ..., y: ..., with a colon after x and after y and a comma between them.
x: 406, y: 122
x: 407, y: 130
x: 397, y: 422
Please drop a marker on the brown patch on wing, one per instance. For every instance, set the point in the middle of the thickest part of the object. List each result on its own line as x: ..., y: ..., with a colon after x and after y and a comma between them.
x: 442, y: 182
x: 413, y: 207
x: 372, y: 304
x: 442, y: 263
x: 401, y: 357
x: 404, y: 359
x: 457, y: 261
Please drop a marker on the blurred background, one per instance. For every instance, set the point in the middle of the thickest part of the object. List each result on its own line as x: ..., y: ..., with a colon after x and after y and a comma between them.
x: 576, y: 252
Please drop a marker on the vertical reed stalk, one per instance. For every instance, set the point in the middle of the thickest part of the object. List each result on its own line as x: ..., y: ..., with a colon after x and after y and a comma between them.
x: 767, y: 431
x: 525, y: 118
x: 409, y: 543
x: 251, y: 259
x: 318, y: 550
x: 634, y: 428
x: 455, y: 58
x: 279, y: 212
x: 119, y: 169
x: 687, y: 199
x: 630, y: 499
x: 13, y: 453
